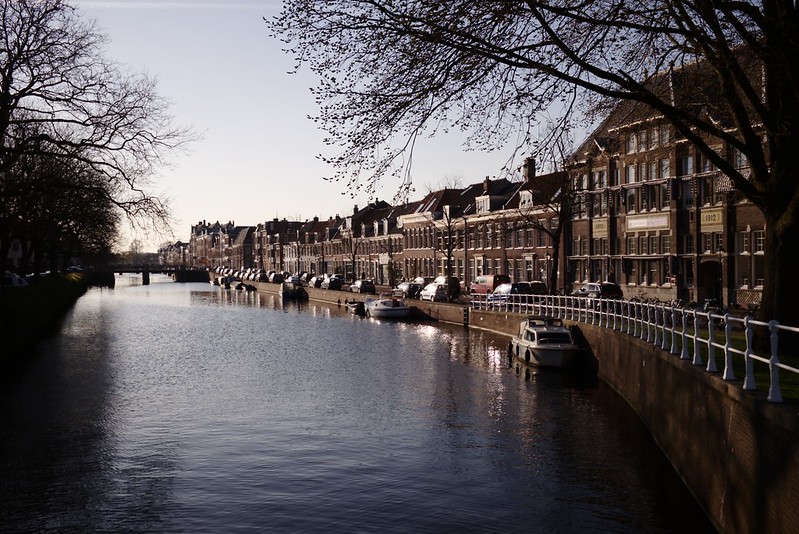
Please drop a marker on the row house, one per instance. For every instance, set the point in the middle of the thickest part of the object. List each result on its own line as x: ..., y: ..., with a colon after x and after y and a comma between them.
x: 173, y: 254
x: 636, y: 204
x: 209, y: 244
x: 275, y: 246
x: 655, y: 216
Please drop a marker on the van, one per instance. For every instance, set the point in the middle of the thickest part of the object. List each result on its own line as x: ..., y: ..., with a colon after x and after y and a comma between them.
x: 487, y: 283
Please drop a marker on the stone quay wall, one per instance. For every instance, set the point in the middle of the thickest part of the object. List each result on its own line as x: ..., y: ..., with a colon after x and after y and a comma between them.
x: 737, y: 453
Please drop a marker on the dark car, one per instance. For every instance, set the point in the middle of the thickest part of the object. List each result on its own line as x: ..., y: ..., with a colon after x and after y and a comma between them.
x: 605, y: 290
x: 363, y: 286
x: 316, y: 281
x: 503, y: 292
x: 409, y: 290
x: 332, y: 282
x: 452, y: 283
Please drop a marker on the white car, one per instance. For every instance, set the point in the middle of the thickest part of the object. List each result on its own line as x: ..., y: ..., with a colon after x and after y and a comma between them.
x: 434, y: 292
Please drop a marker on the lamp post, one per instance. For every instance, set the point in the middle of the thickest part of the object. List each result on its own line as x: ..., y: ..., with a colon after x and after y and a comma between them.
x: 465, y: 252
x: 548, y: 258
x: 720, y: 253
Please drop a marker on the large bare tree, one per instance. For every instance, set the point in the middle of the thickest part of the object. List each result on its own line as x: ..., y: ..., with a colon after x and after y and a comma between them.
x: 61, y: 98
x: 392, y: 68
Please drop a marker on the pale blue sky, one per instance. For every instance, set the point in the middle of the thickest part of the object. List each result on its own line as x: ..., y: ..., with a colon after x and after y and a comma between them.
x: 227, y: 78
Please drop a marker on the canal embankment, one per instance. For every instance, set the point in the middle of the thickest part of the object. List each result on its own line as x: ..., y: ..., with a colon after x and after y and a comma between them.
x: 30, y: 314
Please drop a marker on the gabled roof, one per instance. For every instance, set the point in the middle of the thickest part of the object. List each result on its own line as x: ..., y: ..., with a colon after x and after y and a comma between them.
x: 544, y: 189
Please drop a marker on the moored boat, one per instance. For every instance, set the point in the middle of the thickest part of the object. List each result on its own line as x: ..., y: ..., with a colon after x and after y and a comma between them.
x: 356, y: 307
x: 386, y: 307
x: 544, y: 342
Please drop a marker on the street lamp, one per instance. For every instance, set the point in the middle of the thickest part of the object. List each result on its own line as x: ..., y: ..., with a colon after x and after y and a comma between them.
x: 548, y: 258
x: 720, y: 253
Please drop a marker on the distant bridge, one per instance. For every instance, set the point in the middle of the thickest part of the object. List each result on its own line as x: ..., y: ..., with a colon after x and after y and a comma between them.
x: 104, y: 275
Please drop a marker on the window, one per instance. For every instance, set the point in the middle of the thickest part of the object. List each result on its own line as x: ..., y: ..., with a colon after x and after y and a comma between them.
x: 759, y: 238
x: 644, y: 242
x: 705, y: 165
x: 630, y: 202
x: 654, y: 138
x: 738, y: 159
x: 687, y: 194
x: 664, y: 135
x: 630, y: 144
x: 632, y: 246
x: 642, y: 141
x: 665, y: 168
x: 664, y: 195
x: 707, y: 242
x: 689, y: 244
x: 653, y: 244
x: 686, y: 165
x: 642, y: 168
x: 599, y: 180
x: 743, y: 242
x: 629, y: 174
x: 665, y: 243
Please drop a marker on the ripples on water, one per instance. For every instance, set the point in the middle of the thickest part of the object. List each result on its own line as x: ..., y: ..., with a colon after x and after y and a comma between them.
x: 186, y: 408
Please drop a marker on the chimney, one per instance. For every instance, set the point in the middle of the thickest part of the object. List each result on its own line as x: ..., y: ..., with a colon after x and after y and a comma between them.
x: 529, y: 170
x: 355, y: 209
x: 485, y: 185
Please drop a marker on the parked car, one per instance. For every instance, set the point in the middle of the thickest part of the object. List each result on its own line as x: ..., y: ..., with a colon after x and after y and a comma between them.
x: 504, y: 291
x: 333, y: 282
x: 363, y: 286
x: 276, y: 278
x: 487, y: 283
x: 409, y: 290
x: 605, y: 290
x: 14, y: 280
x: 423, y: 280
x: 434, y: 292
x: 316, y: 281
x: 453, y: 285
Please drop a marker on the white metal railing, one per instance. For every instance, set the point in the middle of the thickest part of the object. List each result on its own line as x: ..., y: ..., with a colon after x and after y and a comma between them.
x: 678, y: 330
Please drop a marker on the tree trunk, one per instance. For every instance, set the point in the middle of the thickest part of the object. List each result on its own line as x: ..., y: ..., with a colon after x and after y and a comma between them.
x: 780, y: 299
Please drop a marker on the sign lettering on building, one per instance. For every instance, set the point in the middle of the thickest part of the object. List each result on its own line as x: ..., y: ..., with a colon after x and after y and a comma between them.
x: 599, y: 228
x: 647, y: 222
x: 711, y: 220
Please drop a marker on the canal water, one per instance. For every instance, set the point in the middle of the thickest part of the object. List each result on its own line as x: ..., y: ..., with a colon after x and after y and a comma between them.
x: 190, y: 408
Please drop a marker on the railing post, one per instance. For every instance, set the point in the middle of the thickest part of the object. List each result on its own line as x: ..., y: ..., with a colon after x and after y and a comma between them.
x: 749, y: 365
x: 729, y: 374
x: 697, y: 347
x: 711, y: 348
x: 774, y: 393
x: 684, y: 353
x: 666, y: 316
x: 656, y: 317
x: 673, y: 330
x: 645, y: 322
x: 628, y: 316
x: 696, y: 339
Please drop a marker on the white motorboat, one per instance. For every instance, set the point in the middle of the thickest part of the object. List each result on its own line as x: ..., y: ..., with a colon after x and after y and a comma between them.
x: 544, y: 342
x: 386, y: 307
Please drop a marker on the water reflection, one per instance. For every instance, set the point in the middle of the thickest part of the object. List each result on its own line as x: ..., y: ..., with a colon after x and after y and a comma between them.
x: 185, y: 407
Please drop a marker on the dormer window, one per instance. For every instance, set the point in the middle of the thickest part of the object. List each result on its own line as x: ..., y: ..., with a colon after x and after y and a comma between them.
x: 526, y: 199
x: 483, y: 205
